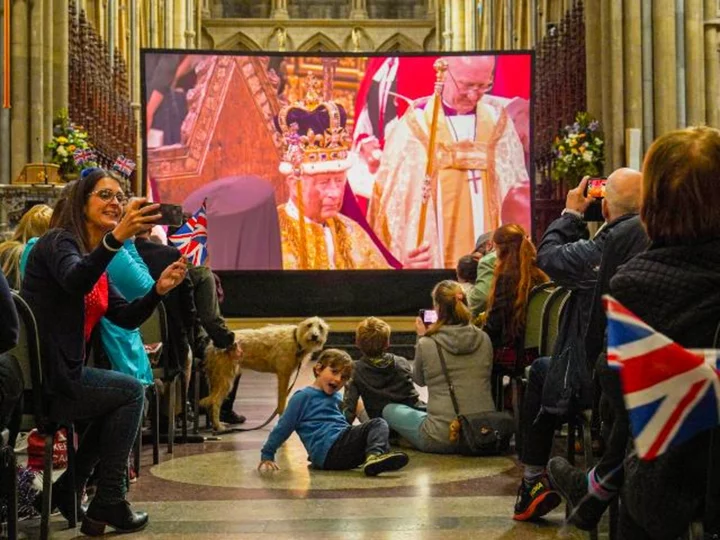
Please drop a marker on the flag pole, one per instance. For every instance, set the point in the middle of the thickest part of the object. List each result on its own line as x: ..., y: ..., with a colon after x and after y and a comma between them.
x: 441, y: 67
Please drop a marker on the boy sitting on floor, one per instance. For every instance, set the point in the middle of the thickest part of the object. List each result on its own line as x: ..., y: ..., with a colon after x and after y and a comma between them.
x: 379, y: 378
x: 332, y: 444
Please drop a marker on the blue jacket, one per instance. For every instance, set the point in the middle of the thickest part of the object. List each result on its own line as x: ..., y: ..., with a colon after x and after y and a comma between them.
x: 317, y: 419
x: 124, y: 348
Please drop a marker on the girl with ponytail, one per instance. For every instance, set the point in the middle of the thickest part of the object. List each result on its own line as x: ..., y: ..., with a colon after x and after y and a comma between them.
x: 516, y: 273
x: 468, y: 355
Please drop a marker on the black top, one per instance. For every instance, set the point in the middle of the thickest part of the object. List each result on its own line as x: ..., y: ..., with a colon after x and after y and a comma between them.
x: 179, y: 303
x: 378, y: 382
x: 57, y: 278
x: 9, y: 324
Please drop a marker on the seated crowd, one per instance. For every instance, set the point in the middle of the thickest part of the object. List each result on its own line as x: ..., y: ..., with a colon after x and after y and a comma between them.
x: 88, y: 268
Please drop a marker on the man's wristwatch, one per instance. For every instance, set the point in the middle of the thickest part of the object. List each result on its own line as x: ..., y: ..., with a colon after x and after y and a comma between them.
x: 572, y: 212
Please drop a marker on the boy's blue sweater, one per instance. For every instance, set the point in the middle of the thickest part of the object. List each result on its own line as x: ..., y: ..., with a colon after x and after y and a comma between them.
x: 317, y: 419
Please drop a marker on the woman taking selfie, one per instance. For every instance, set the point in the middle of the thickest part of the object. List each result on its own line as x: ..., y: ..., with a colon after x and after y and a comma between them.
x: 468, y: 356
x: 66, y: 286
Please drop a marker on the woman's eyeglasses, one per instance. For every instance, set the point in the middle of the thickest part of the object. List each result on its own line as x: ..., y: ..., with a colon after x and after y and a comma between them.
x: 107, y: 195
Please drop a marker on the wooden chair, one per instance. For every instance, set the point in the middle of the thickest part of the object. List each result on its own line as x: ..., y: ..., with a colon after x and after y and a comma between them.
x: 27, y: 352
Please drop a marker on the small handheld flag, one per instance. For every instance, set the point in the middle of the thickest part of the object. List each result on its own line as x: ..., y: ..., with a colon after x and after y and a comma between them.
x: 671, y: 393
x: 124, y: 165
x: 83, y: 155
x: 191, y: 237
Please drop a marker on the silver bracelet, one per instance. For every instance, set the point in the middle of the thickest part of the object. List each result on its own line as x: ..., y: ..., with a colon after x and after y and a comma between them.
x: 104, y: 242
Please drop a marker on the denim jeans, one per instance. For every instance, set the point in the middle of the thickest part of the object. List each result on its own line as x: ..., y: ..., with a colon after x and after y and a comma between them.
x: 112, y: 403
x: 356, y: 443
x: 537, y: 429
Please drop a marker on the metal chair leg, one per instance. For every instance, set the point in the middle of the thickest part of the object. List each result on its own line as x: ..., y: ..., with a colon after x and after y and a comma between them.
x: 47, y: 487
x: 196, y: 401
x: 155, y: 424
x: 184, y: 414
x: 171, y: 415
x: 9, y: 463
x: 70, y: 473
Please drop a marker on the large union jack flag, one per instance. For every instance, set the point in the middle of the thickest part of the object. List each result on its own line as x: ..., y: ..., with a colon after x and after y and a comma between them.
x: 671, y: 393
x: 191, y: 237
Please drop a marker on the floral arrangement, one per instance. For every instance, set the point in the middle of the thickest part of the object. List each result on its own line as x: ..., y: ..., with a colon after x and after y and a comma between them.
x: 67, y: 140
x: 578, y: 150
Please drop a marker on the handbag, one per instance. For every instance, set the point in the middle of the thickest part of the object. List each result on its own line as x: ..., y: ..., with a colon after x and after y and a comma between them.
x: 480, y: 434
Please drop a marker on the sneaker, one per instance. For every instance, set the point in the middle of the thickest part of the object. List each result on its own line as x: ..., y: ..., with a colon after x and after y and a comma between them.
x: 536, y: 500
x: 231, y: 417
x: 584, y: 509
x: 379, y: 463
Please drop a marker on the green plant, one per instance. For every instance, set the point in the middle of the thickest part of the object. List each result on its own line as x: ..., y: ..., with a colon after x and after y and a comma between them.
x: 578, y: 150
x: 67, y: 139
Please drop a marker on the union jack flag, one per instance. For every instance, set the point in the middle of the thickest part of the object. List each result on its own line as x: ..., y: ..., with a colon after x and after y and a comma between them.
x: 671, y: 393
x: 83, y: 155
x: 191, y: 237
x: 125, y: 165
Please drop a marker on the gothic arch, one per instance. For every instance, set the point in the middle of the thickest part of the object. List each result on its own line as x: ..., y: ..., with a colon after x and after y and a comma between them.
x: 399, y: 43
x: 319, y: 42
x: 365, y: 42
x: 240, y: 42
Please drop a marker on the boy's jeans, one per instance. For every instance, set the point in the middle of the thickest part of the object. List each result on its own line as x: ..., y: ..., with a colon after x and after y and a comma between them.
x: 356, y: 443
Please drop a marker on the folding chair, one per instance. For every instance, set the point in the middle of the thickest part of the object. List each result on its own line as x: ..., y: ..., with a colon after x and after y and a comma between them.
x: 155, y: 330
x: 27, y: 353
x: 552, y: 310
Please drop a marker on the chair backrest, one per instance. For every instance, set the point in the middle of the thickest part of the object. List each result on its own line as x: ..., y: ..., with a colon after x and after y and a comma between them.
x: 154, y: 329
x: 27, y: 353
x: 533, y: 320
x: 551, y: 319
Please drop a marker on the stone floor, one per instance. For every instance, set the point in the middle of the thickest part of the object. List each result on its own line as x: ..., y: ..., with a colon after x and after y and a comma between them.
x: 212, y: 490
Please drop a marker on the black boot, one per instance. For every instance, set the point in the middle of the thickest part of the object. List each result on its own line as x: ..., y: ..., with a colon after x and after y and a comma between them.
x: 118, y: 515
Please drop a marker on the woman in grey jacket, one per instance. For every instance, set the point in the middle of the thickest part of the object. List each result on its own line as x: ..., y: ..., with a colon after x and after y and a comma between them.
x: 468, y: 355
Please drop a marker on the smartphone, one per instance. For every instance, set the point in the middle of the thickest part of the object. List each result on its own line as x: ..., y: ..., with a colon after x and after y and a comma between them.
x: 428, y: 316
x: 171, y: 214
x: 595, y: 187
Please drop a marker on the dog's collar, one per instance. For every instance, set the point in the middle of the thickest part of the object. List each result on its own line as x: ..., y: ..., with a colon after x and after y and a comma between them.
x: 298, y: 350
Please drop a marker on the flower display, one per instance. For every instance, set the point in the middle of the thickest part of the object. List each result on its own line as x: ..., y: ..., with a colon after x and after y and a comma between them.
x: 67, y: 140
x: 578, y: 150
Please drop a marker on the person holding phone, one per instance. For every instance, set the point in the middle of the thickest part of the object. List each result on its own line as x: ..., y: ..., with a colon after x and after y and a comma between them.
x: 468, y: 354
x: 67, y: 288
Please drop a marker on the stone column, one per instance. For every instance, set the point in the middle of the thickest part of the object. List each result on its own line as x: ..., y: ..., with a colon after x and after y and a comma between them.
x: 134, y: 68
x: 471, y: 26
x: 447, y: 27
x: 593, y: 58
x: 279, y: 9
x: 168, y: 26
x: 664, y: 66
x: 189, y: 25
x: 632, y: 64
x: 4, y: 123
x: 61, y: 54
x: 111, y: 16
x: 647, y: 74
x: 358, y: 9
x: 37, y: 87
x: 712, y: 64
x: 458, y: 25
x: 431, y: 10
x: 694, y: 63
x: 20, y: 89
x: 153, y: 30
x: 605, y: 80
x: 48, y: 68
x: 617, y: 84
x: 179, y: 23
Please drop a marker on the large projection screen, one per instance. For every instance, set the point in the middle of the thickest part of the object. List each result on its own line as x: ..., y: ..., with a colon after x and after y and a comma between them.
x: 321, y: 162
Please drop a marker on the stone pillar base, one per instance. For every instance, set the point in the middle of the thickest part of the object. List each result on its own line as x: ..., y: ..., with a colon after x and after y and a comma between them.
x: 280, y: 14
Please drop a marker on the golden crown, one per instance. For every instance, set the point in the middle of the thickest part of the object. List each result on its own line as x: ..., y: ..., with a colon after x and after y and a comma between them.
x: 313, y: 134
